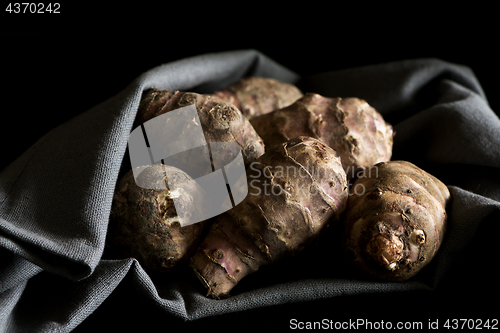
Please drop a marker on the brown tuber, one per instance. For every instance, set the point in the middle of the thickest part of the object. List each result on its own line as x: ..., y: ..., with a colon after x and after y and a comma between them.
x: 351, y: 126
x: 295, y: 190
x: 221, y: 121
x: 254, y: 96
x: 395, y: 220
x: 144, y: 223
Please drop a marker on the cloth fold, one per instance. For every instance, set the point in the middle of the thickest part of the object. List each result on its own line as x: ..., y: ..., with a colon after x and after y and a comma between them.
x: 55, y: 199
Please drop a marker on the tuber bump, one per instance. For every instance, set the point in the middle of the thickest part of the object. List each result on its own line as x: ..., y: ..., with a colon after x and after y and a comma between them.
x: 295, y: 190
x: 221, y: 121
x: 144, y: 223
x: 351, y: 126
x: 395, y: 220
x: 259, y: 95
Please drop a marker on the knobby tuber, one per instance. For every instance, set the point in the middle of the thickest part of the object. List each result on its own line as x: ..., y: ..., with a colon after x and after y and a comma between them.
x: 144, y: 223
x: 295, y: 189
x: 393, y: 227
x: 221, y: 121
x: 254, y: 96
x: 396, y: 220
x: 350, y: 126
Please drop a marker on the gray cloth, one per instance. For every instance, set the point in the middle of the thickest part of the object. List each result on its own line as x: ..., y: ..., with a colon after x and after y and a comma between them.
x: 55, y: 202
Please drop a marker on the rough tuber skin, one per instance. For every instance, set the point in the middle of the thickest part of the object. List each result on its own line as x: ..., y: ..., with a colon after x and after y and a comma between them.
x: 295, y: 190
x: 221, y: 121
x: 144, y: 223
x: 351, y: 126
x: 395, y: 220
x: 254, y: 96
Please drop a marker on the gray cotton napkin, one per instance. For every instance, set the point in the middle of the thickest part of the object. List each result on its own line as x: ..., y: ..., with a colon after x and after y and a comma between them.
x: 55, y: 199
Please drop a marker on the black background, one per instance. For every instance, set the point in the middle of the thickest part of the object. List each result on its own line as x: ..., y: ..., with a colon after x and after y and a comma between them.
x: 56, y: 66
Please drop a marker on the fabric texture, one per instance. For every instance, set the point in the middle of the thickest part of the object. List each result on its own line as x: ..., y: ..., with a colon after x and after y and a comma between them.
x: 56, y: 274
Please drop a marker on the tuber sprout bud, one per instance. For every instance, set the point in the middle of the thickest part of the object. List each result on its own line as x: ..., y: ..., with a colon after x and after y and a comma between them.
x: 386, y: 250
x: 417, y: 237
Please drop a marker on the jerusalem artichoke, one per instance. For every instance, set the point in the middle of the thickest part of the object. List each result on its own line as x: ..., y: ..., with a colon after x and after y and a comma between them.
x: 350, y: 126
x: 254, y: 96
x: 395, y: 220
x: 295, y: 190
x: 145, y: 223
x: 221, y: 121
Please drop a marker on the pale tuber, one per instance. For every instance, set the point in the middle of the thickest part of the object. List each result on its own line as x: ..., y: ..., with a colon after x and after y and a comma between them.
x: 254, y: 96
x: 395, y: 220
x: 295, y: 190
x: 351, y: 126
